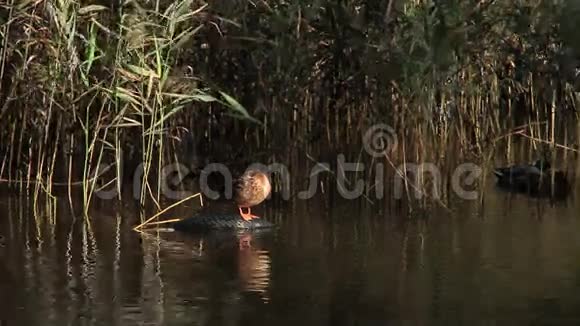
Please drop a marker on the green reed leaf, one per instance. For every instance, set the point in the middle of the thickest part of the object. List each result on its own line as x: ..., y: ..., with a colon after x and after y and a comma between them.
x: 91, y: 8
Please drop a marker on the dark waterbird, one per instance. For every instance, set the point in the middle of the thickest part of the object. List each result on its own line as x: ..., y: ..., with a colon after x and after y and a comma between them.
x: 536, y: 179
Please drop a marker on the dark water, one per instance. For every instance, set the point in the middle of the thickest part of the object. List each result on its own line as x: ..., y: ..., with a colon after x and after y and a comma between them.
x: 508, y: 259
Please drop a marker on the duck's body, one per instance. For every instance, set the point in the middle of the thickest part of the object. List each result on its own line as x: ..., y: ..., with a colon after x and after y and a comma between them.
x: 251, y: 189
x: 517, y: 172
x: 535, y: 179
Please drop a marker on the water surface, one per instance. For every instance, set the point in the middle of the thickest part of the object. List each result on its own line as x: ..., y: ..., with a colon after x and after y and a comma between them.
x: 506, y: 259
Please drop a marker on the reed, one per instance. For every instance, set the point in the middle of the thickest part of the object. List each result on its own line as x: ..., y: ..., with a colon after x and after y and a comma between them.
x: 86, y: 85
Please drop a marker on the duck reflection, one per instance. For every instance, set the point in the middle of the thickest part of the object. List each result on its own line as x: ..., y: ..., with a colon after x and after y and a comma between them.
x: 243, y: 254
x: 254, y: 266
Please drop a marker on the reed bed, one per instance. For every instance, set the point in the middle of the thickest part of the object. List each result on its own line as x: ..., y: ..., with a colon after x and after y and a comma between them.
x: 92, y: 91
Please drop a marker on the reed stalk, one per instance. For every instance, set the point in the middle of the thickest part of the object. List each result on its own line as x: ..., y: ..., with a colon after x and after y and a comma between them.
x: 84, y: 84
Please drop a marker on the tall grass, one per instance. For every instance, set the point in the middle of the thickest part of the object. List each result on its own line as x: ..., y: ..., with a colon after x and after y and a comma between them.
x: 88, y: 87
x: 82, y: 79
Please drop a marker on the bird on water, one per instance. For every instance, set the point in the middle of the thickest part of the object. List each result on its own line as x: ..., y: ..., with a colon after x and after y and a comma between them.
x: 251, y: 189
x: 535, y: 179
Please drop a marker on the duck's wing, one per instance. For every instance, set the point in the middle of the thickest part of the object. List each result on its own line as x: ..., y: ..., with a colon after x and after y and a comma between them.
x: 517, y: 171
x: 508, y: 171
x: 239, y: 184
x: 243, y: 187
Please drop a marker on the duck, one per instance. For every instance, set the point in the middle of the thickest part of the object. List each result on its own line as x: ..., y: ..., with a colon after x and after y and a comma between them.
x: 518, y: 172
x: 251, y: 189
x: 534, y: 179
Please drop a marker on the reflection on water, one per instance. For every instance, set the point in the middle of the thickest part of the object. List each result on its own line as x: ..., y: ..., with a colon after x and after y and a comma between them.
x: 503, y: 259
x: 102, y: 272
